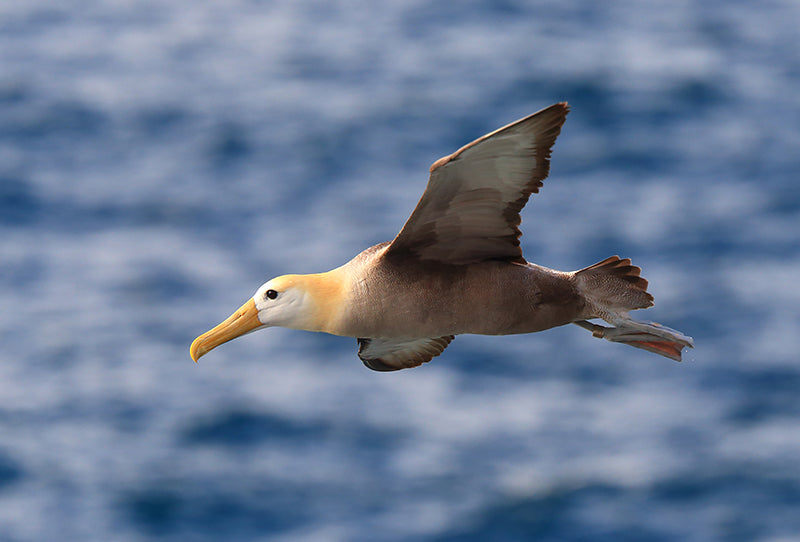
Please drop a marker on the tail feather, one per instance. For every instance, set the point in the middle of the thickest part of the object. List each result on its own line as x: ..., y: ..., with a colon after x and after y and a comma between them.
x: 620, y: 268
x: 614, y: 285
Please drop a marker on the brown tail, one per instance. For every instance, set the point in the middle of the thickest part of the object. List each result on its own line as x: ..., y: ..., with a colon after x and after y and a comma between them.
x: 613, y: 285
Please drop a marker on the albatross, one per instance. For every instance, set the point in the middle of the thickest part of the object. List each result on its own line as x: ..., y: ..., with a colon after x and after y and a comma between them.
x: 457, y: 267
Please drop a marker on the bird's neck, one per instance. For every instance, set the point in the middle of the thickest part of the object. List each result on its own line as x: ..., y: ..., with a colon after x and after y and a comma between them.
x: 326, y: 292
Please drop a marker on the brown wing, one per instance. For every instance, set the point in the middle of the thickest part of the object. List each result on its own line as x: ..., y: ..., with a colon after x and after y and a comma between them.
x: 396, y: 354
x: 470, y: 209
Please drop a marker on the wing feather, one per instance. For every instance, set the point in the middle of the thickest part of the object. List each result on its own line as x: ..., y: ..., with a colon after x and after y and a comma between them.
x: 395, y: 354
x: 470, y: 209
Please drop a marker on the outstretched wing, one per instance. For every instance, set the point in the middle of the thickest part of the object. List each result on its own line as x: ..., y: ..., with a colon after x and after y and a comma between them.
x: 470, y: 209
x: 396, y: 354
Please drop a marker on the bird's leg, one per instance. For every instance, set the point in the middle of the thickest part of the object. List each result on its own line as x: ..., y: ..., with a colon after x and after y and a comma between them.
x: 649, y: 336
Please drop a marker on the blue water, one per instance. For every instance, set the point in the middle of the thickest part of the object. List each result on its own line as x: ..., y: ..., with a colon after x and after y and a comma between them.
x: 160, y: 160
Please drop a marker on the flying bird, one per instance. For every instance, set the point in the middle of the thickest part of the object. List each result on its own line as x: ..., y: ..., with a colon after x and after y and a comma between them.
x: 457, y: 267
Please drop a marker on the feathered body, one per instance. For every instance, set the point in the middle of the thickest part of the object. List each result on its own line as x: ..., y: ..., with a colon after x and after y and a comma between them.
x: 456, y: 267
x: 406, y: 298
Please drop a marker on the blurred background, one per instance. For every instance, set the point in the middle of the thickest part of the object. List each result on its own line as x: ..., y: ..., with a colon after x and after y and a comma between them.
x: 160, y: 160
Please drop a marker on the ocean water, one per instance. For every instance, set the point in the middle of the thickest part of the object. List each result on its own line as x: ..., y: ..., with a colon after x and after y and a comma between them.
x: 159, y: 161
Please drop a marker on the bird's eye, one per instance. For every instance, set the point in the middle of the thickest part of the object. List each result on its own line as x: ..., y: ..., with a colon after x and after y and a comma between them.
x: 272, y: 294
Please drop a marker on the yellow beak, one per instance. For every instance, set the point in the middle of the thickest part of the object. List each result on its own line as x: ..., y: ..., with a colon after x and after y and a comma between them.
x: 240, y: 322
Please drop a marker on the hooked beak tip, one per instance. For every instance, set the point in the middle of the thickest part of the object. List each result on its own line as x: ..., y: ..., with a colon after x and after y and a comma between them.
x: 240, y: 322
x: 196, y: 350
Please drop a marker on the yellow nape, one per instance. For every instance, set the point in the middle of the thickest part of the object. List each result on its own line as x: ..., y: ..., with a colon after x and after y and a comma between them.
x: 326, y: 293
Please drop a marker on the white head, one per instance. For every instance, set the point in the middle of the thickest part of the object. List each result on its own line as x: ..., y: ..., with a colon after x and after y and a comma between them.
x: 286, y: 301
x: 295, y: 301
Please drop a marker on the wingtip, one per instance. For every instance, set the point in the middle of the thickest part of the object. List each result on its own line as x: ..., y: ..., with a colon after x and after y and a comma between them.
x: 563, y: 106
